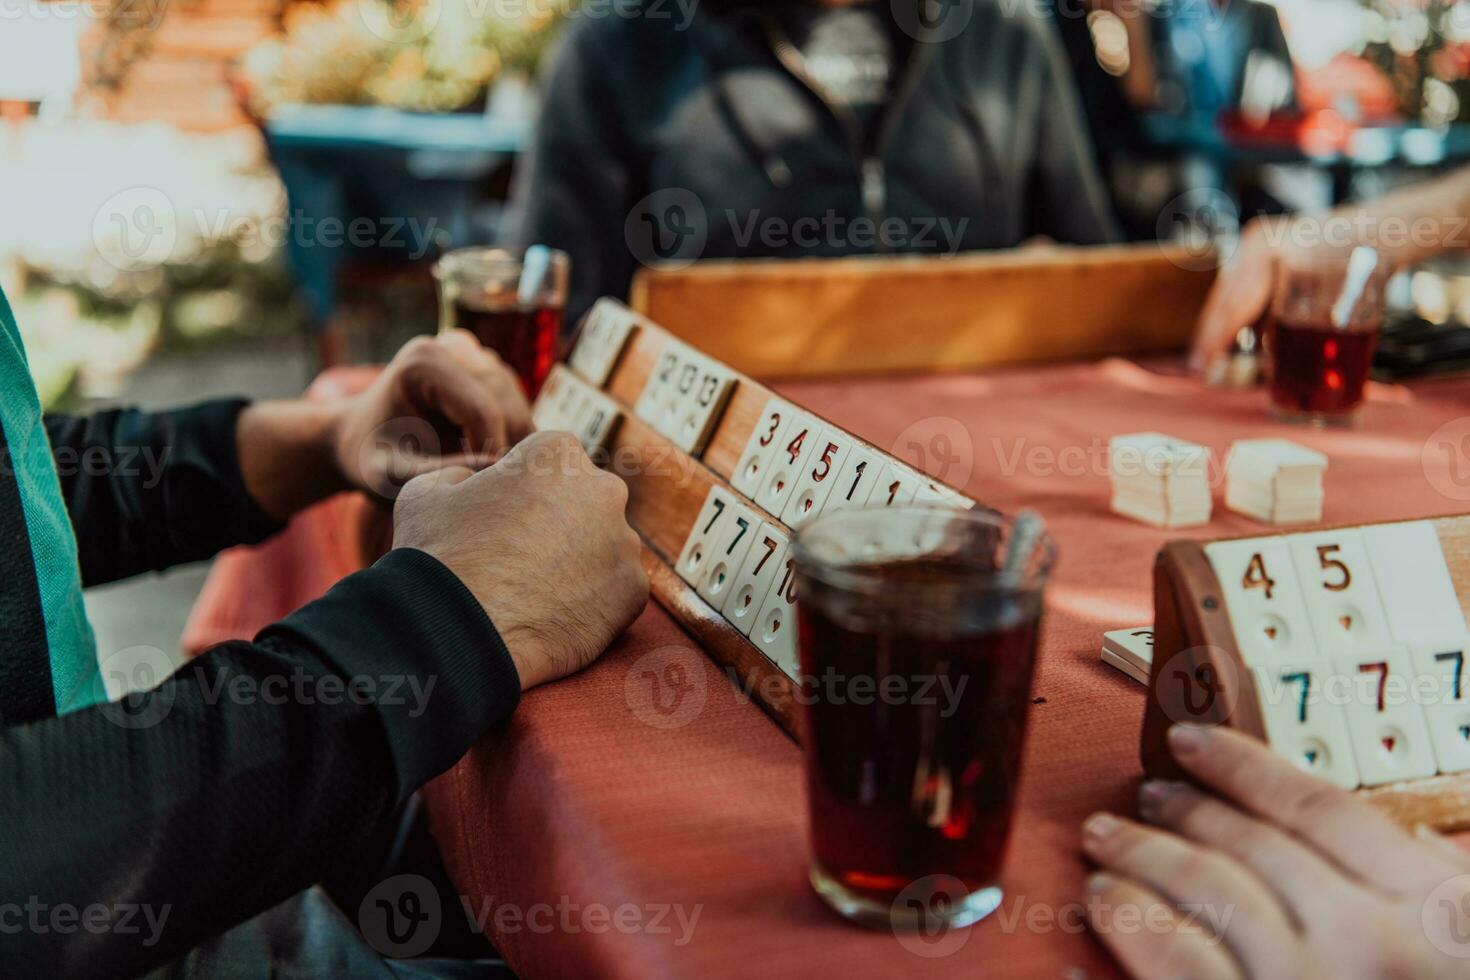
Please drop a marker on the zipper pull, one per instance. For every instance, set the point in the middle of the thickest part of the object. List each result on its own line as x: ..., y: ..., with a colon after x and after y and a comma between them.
x: 875, y: 189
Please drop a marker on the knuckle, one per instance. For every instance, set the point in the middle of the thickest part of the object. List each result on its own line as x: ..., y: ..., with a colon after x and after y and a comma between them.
x: 1309, y: 804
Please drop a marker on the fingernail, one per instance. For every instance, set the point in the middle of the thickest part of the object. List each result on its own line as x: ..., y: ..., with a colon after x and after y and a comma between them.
x: 1187, y: 739
x: 1153, y: 796
x: 1099, y: 827
x: 1099, y: 882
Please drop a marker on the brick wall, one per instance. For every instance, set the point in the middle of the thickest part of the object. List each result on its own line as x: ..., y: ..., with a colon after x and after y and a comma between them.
x: 182, y: 75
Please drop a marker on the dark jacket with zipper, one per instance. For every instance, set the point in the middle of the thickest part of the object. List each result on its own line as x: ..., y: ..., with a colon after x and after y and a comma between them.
x: 980, y: 145
x: 137, y: 830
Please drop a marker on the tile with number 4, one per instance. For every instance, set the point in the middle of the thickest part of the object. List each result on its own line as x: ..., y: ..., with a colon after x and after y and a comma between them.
x: 796, y: 448
x: 708, y: 524
x: 728, y: 554
x: 764, y: 561
x: 1440, y: 669
x: 1259, y: 583
x: 1302, y: 725
x: 761, y: 447
x: 815, y: 481
x: 1390, y: 739
x: 775, y: 624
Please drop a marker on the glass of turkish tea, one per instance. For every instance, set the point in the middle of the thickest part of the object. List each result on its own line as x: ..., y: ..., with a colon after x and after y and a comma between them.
x: 512, y: 300
x: 1326, y: 317
x: 917, y: 629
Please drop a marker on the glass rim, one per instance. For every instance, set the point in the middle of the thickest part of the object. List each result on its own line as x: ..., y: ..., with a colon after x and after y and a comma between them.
x: 488, y: 259
x: 845, y: 576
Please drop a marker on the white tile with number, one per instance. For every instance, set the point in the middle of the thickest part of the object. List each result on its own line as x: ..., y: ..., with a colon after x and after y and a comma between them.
x: 603, y: 338
x: 1390, y: 740
x: 1414, y: 583
x: 596, y: 420
x: 1441, y: 671
x: 765, y: 439
x: 763, y: 562
x: 815, y: 481
x: 678, y: 393
x: 700, y: 408
x: 794, y: 452
x: 664, y: 376
x: 855, y: 479
x: 1263, y: 598
x: 727, y: 554
x: 896, y: 486
x: 775, y: 624
x: 1302, y: 725
x: 694, y: 558
x: 545, y: 414
x: 1340, y: 592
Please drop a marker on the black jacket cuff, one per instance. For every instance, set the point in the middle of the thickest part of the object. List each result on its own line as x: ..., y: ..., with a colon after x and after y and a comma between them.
x: 412, y: 639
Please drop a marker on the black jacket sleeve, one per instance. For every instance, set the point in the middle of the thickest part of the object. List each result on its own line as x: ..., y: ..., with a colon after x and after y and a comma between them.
x: 136, y: 830
x: 147, y: 490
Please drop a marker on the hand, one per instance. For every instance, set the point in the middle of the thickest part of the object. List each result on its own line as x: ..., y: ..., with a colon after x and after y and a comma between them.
x: 1291, y: 876
x: 441, y: 402
x: 541, y: 539
x: 1239, y: 297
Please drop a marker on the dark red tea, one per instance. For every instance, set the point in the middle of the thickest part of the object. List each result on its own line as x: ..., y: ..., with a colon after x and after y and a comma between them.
x: 525, y: 337
x: 1319, y: 370
x: 920, y: 780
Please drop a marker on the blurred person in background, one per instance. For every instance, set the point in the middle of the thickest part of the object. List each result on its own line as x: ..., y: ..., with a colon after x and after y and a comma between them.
x: 1406, y: 227
x: 958, y: 124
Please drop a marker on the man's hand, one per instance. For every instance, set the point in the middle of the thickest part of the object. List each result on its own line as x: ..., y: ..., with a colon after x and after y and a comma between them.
x: 1264, y: 871
x: 442, y: 401
x: 1239, y: 297
x: 541, y: 539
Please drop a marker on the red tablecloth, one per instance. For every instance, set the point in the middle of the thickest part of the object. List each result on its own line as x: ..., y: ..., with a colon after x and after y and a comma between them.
x: 589, y: 797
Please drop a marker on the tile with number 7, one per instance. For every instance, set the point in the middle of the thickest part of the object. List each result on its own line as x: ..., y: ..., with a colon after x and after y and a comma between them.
x: 1441, y: 670
x: 728, y: 553
x: 1390, y: 739
x: 764, y: 560
x: 1303, y: 726
x: 694, y: 558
